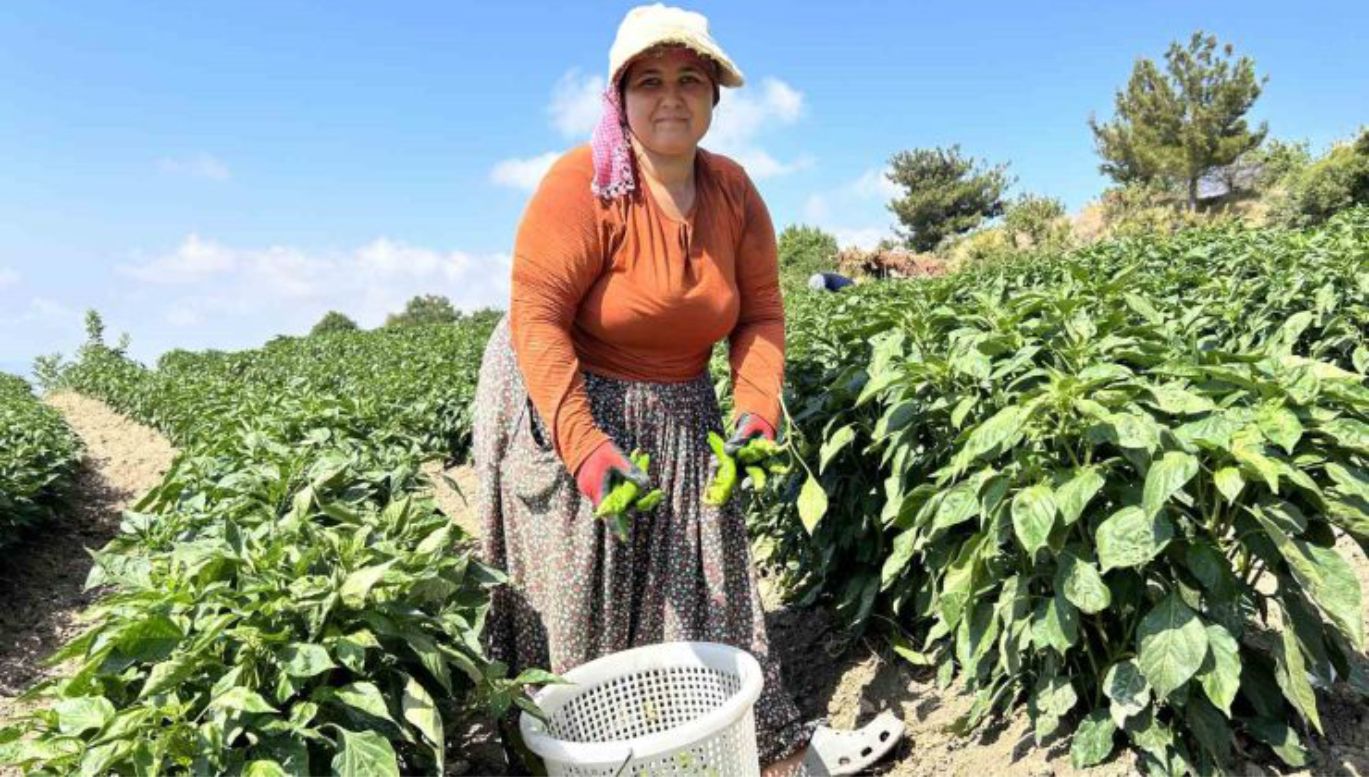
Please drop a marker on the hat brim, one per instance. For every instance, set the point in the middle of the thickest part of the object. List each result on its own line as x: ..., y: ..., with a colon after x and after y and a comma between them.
x: 728, y: 74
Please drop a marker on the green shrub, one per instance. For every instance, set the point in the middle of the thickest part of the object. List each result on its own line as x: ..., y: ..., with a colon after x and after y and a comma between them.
x: 804, y: 250
x: 38, y: 456
x: 1067, y: 482
x: 1033, y: 221
x: 333, y: 321
x: 1337, y: 181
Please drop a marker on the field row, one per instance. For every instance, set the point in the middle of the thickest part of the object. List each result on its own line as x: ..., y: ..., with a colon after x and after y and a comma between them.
x: 38, y: 456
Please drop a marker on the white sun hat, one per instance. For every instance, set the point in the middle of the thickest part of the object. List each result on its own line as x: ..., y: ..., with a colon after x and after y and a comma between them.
x: 651, y: 25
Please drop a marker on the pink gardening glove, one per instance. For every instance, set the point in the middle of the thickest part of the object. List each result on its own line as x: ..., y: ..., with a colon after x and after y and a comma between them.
x: 749, y: 426
x: 595, y: 475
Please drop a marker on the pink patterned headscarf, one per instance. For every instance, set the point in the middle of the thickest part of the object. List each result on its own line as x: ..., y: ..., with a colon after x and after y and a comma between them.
x: 611, y: 149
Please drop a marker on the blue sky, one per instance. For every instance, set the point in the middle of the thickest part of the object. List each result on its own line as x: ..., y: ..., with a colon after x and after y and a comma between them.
x: 213, y: 175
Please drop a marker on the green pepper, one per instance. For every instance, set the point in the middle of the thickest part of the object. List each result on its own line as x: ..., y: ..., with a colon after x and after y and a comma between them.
x: 725, y: 479
x: 618, y: 500
x: 757, y: 449
x: 650, y: 500
x: 627, y: 496
x: 757, y: 476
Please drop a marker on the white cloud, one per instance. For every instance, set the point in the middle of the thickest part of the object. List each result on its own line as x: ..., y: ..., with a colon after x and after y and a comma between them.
x: 741, y: 119
x: 847, y: 210
x: 46, y: 311
x: 195, y: 260
x: 576, y: 104
x: 257, y: 292
x: 8, y: 277
x: 861, y: 237
x: 523, y: 173
x: 199, y: 165
x: 875, y: 183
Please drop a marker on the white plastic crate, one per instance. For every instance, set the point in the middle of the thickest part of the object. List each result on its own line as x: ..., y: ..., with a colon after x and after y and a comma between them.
x: 671, y: 709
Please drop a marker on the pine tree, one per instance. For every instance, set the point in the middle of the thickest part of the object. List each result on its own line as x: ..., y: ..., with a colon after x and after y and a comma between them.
x: 1174, y: 127
x: 946, y: 194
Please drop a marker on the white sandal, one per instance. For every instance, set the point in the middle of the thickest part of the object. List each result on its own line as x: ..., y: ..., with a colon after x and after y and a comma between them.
x: 832, y: 752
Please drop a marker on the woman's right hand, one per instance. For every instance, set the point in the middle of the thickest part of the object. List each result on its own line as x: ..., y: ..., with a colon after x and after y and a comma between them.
x: 595, y: 476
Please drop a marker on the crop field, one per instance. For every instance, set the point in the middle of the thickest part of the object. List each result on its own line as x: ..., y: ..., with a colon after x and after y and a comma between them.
x: 38, y: 454
x: 1109, y: 488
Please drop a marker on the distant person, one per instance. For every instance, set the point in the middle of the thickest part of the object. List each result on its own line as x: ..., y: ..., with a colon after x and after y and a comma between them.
x: 637, y: 253
x: 829, y: 281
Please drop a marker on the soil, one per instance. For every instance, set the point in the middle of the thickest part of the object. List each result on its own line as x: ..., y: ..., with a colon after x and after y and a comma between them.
x: 42, y: 580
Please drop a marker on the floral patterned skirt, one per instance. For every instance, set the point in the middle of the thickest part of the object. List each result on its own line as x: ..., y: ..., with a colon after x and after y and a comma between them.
x: 575, y: 592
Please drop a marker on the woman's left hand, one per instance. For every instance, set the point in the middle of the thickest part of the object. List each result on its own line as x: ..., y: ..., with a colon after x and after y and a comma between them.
x: 749, y: 426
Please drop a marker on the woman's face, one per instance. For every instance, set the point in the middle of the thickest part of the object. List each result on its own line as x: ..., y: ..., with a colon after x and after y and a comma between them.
x: 669, y: 100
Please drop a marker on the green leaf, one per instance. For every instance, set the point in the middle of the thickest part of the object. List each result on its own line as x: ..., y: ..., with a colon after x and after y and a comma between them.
x: 1001, y: 431
x: 1174, y: 399
x: 421, y: 712
x: 363, y: 696
x: 1128, y: 538
x: 365, y: 754
x: 1251, y: 455
x: 812, y: 503
x: 170, y: 673
x: 895, y: 419
x: 1033, y: 516
x: 360, y: 582
x: 1142, y: 307
x: 1351, y: 481
x: 1291, y: 675
x: 833, y: 445
x: 1127, y: 688
x: 151, y: 639
x: 436, y: 542
x: 1172, y: 644
x: 1280, y: 426
x: 79, y: 714
x: 1081, y: 584
x: 1213, y: 431
x: 1220, y: 674
x: 1167, y: 477
x: 241, y: 699
x: 1074, y: 495
x: 538, y: 677
x: 959, y: 504
x: 1281, y: 738
x: 1152, y: 736
x: 302, y: 659
x: 1210, y: 728
x: 898, y: 559
x: 1325, y: 577
x: 1134, y: 431
x: 1093, y: 740
x: 1053, y: 698
x: 263, y: 768
x: 1207, y: 564
x: 1229, y: 482
x: 1055, y: 624
x: 1348, y: 432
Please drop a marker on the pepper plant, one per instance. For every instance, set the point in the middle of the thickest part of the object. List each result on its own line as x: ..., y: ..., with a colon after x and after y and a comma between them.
x: 1108, y: 486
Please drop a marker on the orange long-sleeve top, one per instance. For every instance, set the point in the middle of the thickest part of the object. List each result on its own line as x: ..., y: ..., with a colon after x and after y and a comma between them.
x: 618, y: 288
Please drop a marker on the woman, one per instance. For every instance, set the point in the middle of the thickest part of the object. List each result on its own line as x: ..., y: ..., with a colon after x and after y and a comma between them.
x: 635, y: 256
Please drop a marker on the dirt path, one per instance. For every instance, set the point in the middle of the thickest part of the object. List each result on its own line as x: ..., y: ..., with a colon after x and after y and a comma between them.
x: 852, y: 683
x: 42, y: 577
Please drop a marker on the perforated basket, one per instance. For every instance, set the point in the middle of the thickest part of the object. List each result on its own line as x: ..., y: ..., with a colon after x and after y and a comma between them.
x: 671, y: 709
